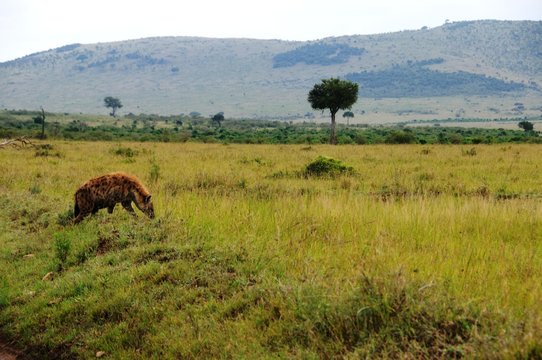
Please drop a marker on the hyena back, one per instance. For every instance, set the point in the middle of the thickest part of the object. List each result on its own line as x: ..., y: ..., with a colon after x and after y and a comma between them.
x: 108, y: 190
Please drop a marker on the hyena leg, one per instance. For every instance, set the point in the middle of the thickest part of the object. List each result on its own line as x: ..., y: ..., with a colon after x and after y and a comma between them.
x: 82, y: 206
x: 110, y: 208
x: 128, y: 206
x: 78, y: 218
x: 82, y: 214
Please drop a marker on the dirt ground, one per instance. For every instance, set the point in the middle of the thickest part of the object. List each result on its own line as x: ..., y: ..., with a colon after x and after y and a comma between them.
x: 8, y: 353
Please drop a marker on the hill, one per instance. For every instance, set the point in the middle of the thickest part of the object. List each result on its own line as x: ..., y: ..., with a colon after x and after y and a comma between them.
x: 484, y: 69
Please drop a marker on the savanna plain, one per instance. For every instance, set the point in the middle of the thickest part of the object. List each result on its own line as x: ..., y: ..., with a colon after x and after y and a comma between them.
x: 417, y: 252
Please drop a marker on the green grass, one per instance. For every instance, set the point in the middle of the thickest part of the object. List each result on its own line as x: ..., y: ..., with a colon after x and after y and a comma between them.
x: 420, y: 252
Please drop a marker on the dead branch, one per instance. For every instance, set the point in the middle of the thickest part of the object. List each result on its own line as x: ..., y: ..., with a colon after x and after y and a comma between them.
x: 19, y: 142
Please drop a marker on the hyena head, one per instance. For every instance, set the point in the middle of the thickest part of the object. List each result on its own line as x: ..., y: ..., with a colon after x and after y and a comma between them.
x: 147, y: 206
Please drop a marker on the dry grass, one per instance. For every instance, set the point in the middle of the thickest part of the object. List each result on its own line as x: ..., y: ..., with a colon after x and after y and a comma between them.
x: 246, y: 248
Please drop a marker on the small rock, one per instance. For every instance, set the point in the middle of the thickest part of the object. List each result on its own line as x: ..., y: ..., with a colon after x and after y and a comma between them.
x: 48, y: 276
x: 100, y: 354
x: 27, y: 256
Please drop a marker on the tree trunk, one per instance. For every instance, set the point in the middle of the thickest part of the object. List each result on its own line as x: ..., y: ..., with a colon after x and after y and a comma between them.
x: 333, y: 137
x: 42, y: 123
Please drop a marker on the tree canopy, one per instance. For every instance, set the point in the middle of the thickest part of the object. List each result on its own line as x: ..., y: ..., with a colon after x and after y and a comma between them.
x: 113, y: 103
x: 348, y: 115
x: 526, y: 125
x: 333, y: 94
x: 218, y: 118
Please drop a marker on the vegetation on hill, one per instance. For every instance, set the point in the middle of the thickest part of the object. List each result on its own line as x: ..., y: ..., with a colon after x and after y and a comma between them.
x: 414, y: 79
x: 503, y: 45
x: 316, y: 54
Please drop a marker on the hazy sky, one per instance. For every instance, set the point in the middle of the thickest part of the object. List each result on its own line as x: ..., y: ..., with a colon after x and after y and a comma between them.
x: 28, y: 26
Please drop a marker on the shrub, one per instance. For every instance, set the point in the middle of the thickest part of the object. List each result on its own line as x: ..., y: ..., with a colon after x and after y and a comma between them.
x: 526, y: 125
x: 4, y: 296
x: 65, y: 218
x: 124, y: 151
x: 45, y: 153
x: 35, y: 189
x: 360, y: 139
x: 62, y: 248
x: 154, y: 173
x: 327, y: 166
x: 400, y: 137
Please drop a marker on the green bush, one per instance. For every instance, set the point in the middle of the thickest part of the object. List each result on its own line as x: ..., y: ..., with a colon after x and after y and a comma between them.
x: 154, y: 173
x: 469, y: 152
x: 4, y: 296
x: 400, y: 137
x: 62, y: 248
x: 124, y: 151
x: 327, y: 166
x: 35, y: 189
x: 63, y: 219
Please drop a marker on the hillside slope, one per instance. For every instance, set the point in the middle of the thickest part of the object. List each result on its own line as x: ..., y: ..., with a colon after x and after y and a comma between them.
x: 477, y: 69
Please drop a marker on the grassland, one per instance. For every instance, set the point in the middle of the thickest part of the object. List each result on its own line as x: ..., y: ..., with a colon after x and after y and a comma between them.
x: 422, y: 252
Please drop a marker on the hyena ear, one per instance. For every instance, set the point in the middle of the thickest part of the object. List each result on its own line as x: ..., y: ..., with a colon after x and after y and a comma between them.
x: 147, y: 199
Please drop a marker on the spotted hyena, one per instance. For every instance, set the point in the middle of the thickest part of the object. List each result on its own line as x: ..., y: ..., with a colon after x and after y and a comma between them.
x: 108, y: 190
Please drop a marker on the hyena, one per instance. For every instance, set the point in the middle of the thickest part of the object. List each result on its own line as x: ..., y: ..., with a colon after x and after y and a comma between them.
x: 108, y: 190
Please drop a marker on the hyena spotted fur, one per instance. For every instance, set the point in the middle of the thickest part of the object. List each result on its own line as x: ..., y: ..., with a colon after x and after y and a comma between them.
x: 108, y: 190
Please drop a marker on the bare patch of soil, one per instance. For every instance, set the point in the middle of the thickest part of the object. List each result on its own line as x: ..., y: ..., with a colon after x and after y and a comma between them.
x: 8, y: 353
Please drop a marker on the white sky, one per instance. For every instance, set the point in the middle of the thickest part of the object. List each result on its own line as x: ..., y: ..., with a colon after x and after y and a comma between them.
x: 28, y: 26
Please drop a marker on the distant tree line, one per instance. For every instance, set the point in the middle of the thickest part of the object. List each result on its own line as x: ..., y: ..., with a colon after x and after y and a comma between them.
x: 184, y: 128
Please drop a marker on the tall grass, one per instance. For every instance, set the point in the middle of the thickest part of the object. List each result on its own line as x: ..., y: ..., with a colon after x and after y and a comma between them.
x: 417, y: 253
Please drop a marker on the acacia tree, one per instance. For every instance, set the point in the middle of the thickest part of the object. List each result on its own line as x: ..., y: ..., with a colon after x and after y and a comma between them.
x: 218, y: 118
x: 113, y: 103
x: 40, y: 119
x: 348, y: 115
x: 333, y: 94
x: 526, y: 125
x: 42, y: 124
